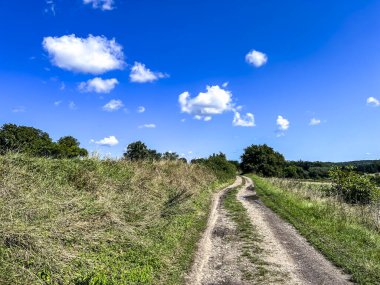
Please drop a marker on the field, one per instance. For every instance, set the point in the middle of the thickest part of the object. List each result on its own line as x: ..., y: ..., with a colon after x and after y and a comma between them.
x: 348, y: 235
x: 90, y: 221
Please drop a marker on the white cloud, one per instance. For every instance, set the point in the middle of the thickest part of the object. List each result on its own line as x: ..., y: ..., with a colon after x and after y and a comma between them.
x: 63, y: 86
x: 108, y: 141
x: 57, y: 103
x: 142, y: 74
x: 373, y: 101
x: 148, y: 126
x: 256, y: 58
x: 113, y: 105
x: 247, y: 121
x: 98, y: 85
x: 207, y: 118
x: 141, y: 109
x: 94, y: 54
x: 104, y: 5
x: 215, y: 101
x: 314, y: 122
x: 72, y: 106
x: 282, y: 123
x: 225, y: 84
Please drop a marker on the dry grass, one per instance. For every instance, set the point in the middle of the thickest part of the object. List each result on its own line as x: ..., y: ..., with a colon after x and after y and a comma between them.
x: 367, y: 215
x: 99, y: 222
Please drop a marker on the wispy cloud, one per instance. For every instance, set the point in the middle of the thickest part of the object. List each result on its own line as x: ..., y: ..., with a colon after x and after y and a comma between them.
x: 256, y: 58
x: 148, y: 126
x: 314, y: 122
x: 113, y: 105
x: 57, y: 103
x: 94, y: 54
x: 141, y: 74
x: 50, y: 7
x: 105, y: 5
x: 98, y: 85
x: 247, y: 121
x: 141, y: 109
x: 72, y: 106
x: 19, y: 109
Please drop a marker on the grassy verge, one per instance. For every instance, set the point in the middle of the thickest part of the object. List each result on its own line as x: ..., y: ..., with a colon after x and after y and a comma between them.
x: 352, y: 246
x: 100, y: 222
x: 248, y: 234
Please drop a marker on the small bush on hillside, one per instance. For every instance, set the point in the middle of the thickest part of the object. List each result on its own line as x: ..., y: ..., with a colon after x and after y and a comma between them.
x: 353, y: 187
x: 220, y: 166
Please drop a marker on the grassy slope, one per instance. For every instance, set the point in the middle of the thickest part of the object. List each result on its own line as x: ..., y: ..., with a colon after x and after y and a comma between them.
x: 99, y: 222
x: 352, y: 246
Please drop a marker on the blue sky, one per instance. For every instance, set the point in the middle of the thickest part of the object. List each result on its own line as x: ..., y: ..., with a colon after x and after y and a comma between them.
x: 209, y: 76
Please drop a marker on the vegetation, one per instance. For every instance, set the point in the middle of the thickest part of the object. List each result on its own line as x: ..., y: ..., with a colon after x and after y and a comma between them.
x: 89, y: 221
x: 352, y: 186
x: 262, y: 160
x: 34, y: 142
x: 347, y: 234
x: 219, y: 165
x: 139, y: 151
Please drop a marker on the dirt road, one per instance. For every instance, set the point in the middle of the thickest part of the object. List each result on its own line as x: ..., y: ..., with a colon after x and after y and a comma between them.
x: 286, y: 256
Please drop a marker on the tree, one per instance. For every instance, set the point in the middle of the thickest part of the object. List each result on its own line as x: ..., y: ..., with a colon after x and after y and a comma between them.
x: 35, y: 142
x: 68, y: 147
x: 170, y: 156
x: 139, y: 151
x: 263, y: 160
x: 24, y: 139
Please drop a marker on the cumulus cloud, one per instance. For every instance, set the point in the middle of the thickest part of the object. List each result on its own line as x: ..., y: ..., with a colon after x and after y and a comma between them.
x: 141, y: 74
x: 108, y: 141
x: 141, y: 109
x: 104, y: 5
x: 94, y: 54
x: 314, y: 122
x: 214, y: 101
x: 113, y: 105
x: 256, y: 58
x: 247, y: 121
x: 282, y: 123
x: 148, y: 126
x: 98, y: 85
x: 373, y: 101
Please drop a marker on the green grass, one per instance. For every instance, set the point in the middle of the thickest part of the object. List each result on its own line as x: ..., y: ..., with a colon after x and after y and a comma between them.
x: 100, y: 222
x: 351, y: 245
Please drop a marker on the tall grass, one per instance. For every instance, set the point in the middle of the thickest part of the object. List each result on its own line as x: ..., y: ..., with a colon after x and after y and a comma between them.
x: 367, y: 215
x: 99, y: 221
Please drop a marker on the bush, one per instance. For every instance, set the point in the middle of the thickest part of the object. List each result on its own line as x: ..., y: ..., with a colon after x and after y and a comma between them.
x: 353, y: 187
x: 219, y: 165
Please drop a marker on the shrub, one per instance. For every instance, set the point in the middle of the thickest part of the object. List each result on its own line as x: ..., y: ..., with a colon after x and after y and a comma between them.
x: 353, y: 187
